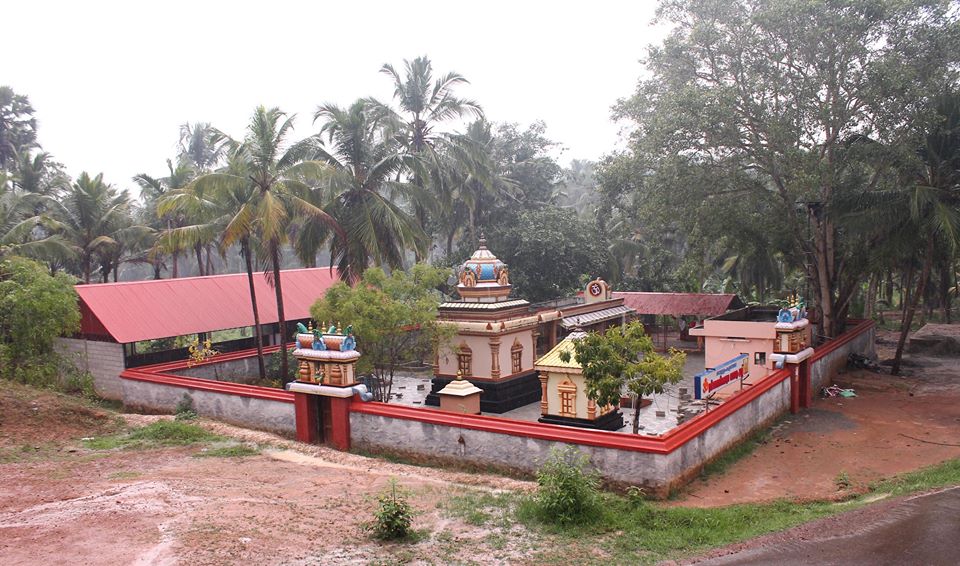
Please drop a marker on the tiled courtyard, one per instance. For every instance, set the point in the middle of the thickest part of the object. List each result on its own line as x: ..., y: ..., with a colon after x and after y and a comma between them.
x: 412, y: 389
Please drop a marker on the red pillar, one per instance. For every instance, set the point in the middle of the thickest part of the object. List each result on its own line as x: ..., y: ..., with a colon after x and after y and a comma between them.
x: 806, y: 386
x: 340, y: 423
x: 308, y: 427
x: 794, y: 389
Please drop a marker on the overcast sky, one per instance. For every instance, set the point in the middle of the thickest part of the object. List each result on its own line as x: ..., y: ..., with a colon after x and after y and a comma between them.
x: 112, y: 81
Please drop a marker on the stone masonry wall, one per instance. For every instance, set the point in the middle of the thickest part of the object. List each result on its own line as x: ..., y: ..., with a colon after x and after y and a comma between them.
x: 657, y: 473
x: 104, y: 361
x: 261, y: 414
x: 824, y: 370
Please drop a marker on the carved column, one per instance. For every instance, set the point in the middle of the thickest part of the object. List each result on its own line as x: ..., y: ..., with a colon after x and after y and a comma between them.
x: 591, y: 409
x: 495, y: 357
x: 543, y: 392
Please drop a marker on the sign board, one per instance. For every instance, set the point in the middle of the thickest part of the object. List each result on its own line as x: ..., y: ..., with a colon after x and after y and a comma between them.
x: 731, y: 371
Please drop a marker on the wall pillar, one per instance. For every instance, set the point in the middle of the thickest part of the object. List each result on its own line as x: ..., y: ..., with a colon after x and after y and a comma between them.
x: 308, y: 424
x: 794, y: 389
x: 340, y: 423
x: 543, y: 392
x: 495, y: 357
x: 806, y: 386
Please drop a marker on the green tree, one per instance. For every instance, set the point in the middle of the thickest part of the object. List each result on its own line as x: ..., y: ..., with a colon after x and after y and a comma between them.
x: 775, y: 100
x: 276, y: 172
x: 425, y: 104
x: 933, y: 198
x: 88, y: 217
x: 18, y: 127
x: 365, y: 168
x: 35, y: 308
x: 623, y: 359
x: 550, y: 251
x: 394, y: 318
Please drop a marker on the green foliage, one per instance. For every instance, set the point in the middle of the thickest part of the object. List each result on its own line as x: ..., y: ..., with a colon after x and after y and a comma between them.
x: 35, y: 308
x: 549, y: 251
x: 568, y: 491
x: 843, y: 481
x: 623, y: 358
x: 943, y: 474
x: 393, y: 318
x: 274, y: 367
x: 393, y: 516
x: 184, y: 410
x: 155, y: 435
x: 232, y: 451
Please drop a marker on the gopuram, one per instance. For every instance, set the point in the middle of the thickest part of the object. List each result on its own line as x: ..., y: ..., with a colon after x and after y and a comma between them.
x: 495, y: 345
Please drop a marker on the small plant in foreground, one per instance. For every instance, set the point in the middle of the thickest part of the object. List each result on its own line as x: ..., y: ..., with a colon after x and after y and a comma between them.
x: 185, y: 410
x: 393, y: 516
x: 568, y: 491
x: 843, y: 481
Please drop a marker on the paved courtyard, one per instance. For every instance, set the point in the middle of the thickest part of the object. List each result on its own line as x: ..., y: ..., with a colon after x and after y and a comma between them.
x: 412, y: 389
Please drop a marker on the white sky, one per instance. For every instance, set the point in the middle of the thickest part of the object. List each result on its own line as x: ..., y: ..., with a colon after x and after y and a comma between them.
x: 112, y: 81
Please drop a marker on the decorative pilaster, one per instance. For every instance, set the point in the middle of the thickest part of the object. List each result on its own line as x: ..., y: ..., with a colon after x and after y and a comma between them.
x: 495, y: 357
x: 591, y: 409
x: 543, y: 393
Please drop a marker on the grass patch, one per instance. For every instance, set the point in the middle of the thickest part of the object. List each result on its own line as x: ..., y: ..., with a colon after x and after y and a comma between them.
x: 942, y: 475
x: 730, y: 457
x: 124, y: 475
x: 630, y: 530
x: 232, y: 451
x: 155, y: 435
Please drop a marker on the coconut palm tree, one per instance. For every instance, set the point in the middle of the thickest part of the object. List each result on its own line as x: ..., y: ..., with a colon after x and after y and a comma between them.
x: 26, y: 232
x: 424, y: 104
x: 933, y: 199
x: 270, y: 177
x: 360, y: 187
x: 88, y: 217
x: 152, y: 192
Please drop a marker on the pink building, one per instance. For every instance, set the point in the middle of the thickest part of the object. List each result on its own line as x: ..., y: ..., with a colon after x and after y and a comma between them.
x: 755, y: 331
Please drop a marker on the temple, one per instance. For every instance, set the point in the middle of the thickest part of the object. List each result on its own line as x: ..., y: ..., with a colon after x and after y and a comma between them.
x: 497, y: 337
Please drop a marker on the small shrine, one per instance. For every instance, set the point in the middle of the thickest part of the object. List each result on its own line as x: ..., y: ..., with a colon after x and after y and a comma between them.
x: 460, y: 396
x: 326, y: 384
x: 328, y: 358
x: 563, y: 391
x: 495, y: 344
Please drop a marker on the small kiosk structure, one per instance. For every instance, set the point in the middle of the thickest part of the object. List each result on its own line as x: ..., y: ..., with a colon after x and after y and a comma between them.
x: 460, y: 396
x: 326, y: 383
x: 563, y: 397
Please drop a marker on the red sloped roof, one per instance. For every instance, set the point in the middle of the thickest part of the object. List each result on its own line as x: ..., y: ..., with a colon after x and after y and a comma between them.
x: 676, y: 304
x: 147, y: 310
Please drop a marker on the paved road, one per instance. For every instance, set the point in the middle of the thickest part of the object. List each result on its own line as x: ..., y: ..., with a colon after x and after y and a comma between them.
x: 920, y: 530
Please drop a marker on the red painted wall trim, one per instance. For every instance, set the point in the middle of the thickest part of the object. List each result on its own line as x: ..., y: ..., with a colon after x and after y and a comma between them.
x: 859, y: 327
x: 658, y: 445
x: 156, y: 374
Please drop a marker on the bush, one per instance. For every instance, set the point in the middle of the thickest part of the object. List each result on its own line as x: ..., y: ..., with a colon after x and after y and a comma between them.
x: 273, y: 368
x: 35, y: 308
x: 185, y: 410
x: 393, y: 516
x: 568, y: 491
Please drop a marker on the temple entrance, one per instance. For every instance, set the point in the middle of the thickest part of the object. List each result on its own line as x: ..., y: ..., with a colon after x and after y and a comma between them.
x: 324, y: 420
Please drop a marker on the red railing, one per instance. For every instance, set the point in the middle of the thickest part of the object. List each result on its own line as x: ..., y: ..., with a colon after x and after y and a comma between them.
x: 157, y: 373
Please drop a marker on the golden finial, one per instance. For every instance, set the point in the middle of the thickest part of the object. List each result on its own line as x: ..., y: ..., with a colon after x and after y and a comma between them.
x: 310, y: 326
x: 459, y: 374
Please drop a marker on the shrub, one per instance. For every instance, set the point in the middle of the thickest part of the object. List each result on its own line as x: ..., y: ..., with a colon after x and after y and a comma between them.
x: 568, y: 491
x: 184, y: 410
x: 35, y: 308
x: 393, y: 516
x: 273, y: 367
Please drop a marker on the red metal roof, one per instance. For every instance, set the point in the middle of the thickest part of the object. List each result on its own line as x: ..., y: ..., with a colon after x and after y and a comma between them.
x: 147, y: 310
x: 676, y: 304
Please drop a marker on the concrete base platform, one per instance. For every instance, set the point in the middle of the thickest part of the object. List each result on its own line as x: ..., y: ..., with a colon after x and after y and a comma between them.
x: 498, y: 396
x: 610, y: 421
x: 938, y: 339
